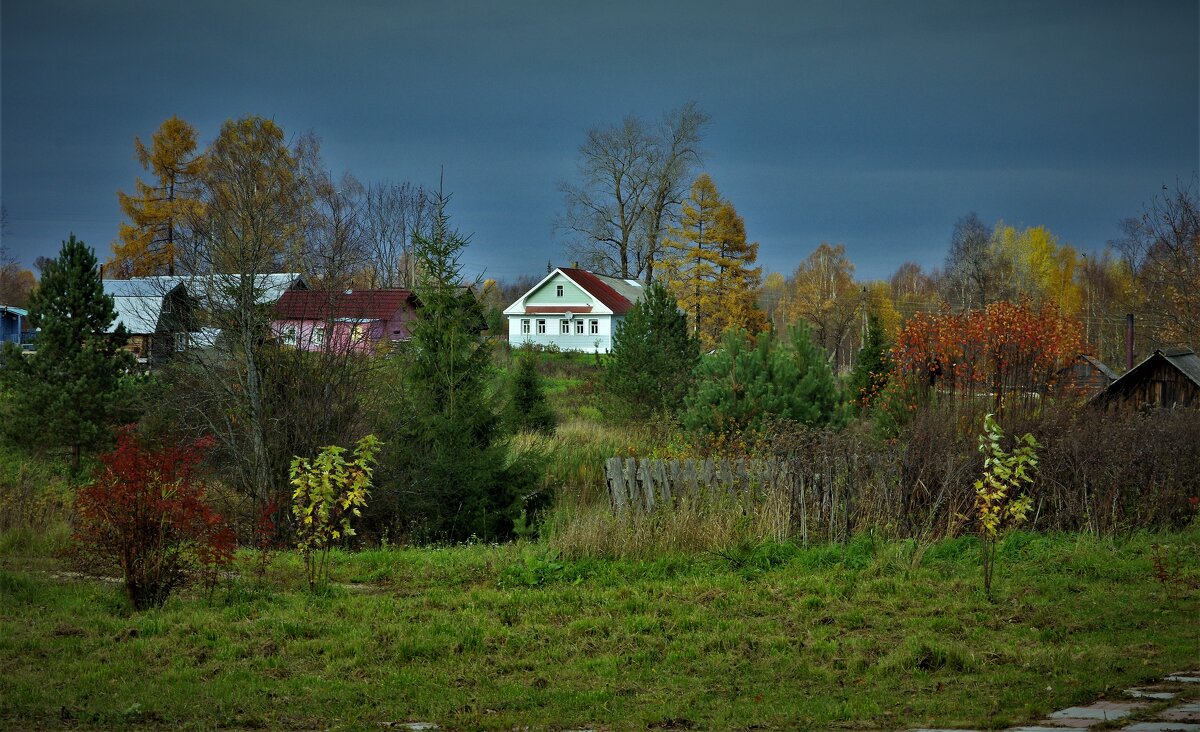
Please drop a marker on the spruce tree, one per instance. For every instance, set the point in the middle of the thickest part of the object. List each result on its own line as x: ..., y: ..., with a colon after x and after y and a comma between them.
x: 527, y: 407
x: 650, y: 369
x: 64, y: 395
x: 444, y: 457
x: 871, y: 370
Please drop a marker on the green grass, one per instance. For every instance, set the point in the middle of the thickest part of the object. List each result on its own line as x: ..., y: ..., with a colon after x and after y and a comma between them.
x: 875, y: 635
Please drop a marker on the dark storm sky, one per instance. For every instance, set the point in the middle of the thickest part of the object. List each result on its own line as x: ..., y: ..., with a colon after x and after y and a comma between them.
x: 871, y: 124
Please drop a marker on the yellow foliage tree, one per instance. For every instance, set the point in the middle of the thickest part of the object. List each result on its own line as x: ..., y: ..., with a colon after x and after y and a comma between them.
x: 708, y: 265
x: 1039, y: 267
x: 825, y: 295
x: 147, y: 243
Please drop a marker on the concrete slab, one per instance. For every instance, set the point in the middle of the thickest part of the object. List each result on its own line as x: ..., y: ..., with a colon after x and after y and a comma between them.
x: 1100, y: 711
x: 1151, y: 692
x: 1162, y: 727
x: 1185, y: 677
x: 1035, y: 728
x: 1071, y: 722
x: 1182, y: 713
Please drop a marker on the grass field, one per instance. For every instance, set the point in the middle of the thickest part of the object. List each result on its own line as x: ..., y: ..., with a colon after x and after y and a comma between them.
x: 870, y: 636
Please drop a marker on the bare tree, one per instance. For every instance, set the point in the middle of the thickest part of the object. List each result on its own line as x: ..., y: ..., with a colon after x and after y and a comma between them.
x: 393, y: 214
x: 336, y: 251
x: 632, y: 178
x: 970, y: 277
x: 1163, y: 249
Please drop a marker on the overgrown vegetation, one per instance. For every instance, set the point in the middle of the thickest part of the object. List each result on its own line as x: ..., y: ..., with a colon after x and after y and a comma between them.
x: 885, y: 634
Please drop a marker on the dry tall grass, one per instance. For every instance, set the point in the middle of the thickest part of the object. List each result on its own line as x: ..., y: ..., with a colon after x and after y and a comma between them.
x: 690, y: 526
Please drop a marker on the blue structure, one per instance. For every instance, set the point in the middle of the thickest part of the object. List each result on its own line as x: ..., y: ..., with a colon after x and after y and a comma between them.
x: 12, y: 322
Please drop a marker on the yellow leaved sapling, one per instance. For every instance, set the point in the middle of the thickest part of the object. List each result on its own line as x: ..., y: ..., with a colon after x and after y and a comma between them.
x: 998, y: 507
x: 328, y: 492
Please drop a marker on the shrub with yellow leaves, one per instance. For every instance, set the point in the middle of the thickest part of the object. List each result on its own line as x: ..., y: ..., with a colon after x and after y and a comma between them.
x: 998, y: 508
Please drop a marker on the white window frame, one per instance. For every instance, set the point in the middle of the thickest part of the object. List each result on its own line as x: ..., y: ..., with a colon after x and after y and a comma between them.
x: 181, y: 342
x: 317, y: 337
x: 564, y: 327
x: 541, y: 326
x: 558, y: 290
x: 289, y: 335
x: 525, y: 326
x: 578, y: 327
x: 595, y: 327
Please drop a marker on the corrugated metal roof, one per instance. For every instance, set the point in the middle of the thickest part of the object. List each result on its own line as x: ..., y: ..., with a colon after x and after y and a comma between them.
x: 138, y: 314
x: 17, y: 311
x: 1186, y: 361
x: 208, y: 288
x: 1108, y: 373
x: 353, y: 304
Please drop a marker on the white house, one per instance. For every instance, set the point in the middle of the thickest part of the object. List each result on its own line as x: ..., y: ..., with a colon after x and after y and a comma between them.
x: 572, y: 309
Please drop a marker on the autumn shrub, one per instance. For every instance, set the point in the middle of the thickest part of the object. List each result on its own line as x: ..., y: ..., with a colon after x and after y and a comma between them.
x: 146, y: 514
x: 1109, y: 473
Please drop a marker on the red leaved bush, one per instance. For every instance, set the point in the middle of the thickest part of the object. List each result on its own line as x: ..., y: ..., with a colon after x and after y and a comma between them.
x: 1000, y: 359
x: 146, y: 513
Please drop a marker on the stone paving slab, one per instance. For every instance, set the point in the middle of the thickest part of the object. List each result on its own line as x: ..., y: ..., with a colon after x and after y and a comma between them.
x: 1185, y: 677
x: 1060, y: 723
x: 1162, y: 727
x: 1034, y: 728
x: 1100, y: 711
x: 1151, y: 692
x: 1183, y: 713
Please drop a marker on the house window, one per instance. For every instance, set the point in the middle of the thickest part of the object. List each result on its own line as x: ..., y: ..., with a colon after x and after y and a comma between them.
x: 595, y: 326
x: 289, y: 335
x: 318, y: 336
x: 541, y: 326
x: 358, y: 333
x: 564, y: 327
x: 558, y: 290
x: 181, y: 340
x: 525, y: 327
x: 578, y: 327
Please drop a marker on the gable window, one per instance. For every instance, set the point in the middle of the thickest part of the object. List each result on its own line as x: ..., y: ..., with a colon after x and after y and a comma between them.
x: 558, y: 290
x: 578, y: 327
x: 595, y: 326
x: 525, y: 326
x: 564, y: 327
x: 541, y: 326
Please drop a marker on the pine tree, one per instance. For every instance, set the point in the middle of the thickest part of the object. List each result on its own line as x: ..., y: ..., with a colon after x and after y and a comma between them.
x: 444, y: 455
x: 64, y: 394
x: 653, y: 355
x: 738, y: 284
x: 742, y: 386
x: 159, y: 213
x: 527, y: 408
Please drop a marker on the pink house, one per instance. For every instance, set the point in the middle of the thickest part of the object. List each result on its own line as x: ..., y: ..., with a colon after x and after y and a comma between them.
x: 357, y: 320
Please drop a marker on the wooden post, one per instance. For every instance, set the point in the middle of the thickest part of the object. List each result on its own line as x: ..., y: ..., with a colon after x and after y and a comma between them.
x: 631, y: 483
x: 646, y: 474
x: 615, y: 478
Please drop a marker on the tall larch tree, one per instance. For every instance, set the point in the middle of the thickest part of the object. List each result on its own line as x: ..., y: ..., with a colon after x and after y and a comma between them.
x: 691, y: 254
x: 160, y: 212
x: 738, y: 282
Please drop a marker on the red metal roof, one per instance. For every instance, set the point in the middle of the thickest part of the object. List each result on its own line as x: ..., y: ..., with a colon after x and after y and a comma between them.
x: 599, y: 289
x: 351, y: 304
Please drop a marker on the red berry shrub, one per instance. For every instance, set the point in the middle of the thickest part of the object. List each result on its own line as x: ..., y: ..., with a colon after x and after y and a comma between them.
x: 146, y: 513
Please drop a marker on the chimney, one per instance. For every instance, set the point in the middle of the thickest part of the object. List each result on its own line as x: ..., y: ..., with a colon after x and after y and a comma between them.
x: 1128, y: 341
x: 575, y: 264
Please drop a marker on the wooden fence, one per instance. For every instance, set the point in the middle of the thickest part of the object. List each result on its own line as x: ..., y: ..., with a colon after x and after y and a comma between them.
x: 824, y: 500
x: 643, y: 485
